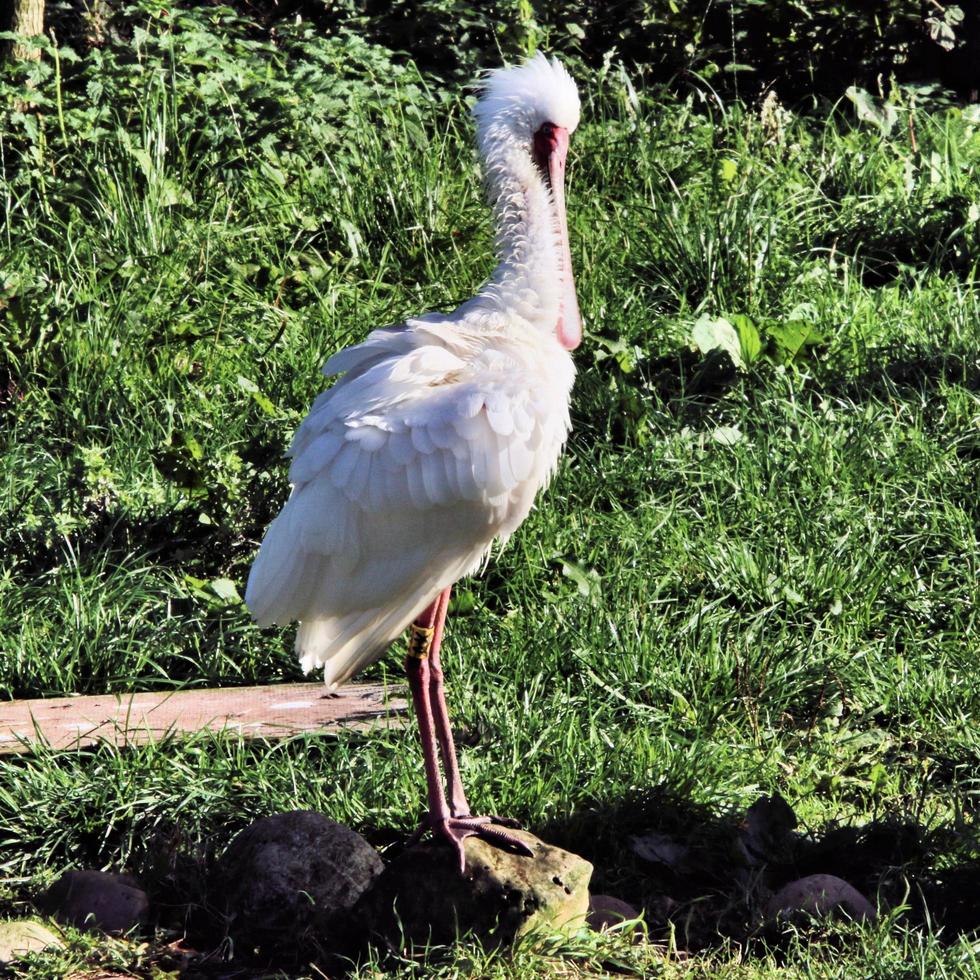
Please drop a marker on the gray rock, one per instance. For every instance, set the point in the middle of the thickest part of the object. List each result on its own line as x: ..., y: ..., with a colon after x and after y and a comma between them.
x: 422, y: 898
x: 288, y: 881
x: 819, y: 895
x: 21, y: 936
x: 97, y: 900
x: 606, y: 911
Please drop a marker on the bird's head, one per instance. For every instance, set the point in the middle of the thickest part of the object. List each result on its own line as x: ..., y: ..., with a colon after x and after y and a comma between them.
x: 530, y: 111
x: 526, y: 97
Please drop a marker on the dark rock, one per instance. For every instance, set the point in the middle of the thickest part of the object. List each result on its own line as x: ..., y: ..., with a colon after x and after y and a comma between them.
x: 664, y: 850
x: 288, y: 882
x: 97, y: 900
x: 819, y: 895
x: 606, y: 911
x: 766, y: 833
x: 422, y: 897
x: 21, y: 936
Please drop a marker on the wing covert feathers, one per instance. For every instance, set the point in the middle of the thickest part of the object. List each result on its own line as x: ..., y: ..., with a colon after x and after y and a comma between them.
x: 426, y: 449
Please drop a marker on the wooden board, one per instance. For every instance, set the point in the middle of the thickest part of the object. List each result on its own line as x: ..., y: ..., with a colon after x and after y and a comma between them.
x: 276, y: 711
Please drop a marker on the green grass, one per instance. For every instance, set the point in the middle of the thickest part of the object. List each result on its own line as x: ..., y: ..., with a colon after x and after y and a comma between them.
x: 740, y: 582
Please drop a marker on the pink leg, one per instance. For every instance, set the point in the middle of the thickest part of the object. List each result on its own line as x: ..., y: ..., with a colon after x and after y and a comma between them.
x: 447, y: 748
x: 418, y: 681
x: 450, y: 820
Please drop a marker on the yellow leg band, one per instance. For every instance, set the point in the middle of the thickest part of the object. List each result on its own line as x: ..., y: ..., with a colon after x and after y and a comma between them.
x: 419, y: 641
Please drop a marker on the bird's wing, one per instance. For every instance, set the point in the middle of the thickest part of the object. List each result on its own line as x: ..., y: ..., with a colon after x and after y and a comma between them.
x: 403, y: 473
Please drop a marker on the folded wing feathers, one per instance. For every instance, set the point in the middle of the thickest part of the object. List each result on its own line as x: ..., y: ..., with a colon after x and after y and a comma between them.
x: 402, y: 474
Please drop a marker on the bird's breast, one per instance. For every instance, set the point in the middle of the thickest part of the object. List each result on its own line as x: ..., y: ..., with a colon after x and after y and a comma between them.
x: 539, y: 431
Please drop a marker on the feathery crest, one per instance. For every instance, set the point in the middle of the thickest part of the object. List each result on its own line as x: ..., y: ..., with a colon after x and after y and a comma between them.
x: 524, y: 97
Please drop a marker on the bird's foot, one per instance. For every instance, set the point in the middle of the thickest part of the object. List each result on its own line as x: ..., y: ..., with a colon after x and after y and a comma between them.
x: 455, y: 829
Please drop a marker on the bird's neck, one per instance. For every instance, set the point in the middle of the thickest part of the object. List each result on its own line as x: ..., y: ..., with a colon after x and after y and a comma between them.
x: 528, y: 278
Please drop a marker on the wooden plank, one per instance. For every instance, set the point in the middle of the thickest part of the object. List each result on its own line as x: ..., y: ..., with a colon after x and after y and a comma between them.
x: 276, y: 711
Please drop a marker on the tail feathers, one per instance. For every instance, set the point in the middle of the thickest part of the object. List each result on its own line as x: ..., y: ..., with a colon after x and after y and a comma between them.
x: 288, y: 583
x: 327, y: 593
x: 344, y: 645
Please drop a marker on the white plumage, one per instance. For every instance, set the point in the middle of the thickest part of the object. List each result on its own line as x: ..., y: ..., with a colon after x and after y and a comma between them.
x: 438, y: 433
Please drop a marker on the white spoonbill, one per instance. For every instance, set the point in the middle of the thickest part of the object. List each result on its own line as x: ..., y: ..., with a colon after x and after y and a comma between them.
x: 435, y: 439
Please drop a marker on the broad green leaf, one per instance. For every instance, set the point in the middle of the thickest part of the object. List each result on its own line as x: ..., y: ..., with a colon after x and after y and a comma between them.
x: 462, y: 602
x: 625, y: 355
x: 803, y: 311
x: 748, y: 337
x: 716, y: 333
x: 791, y: 335
x: 587, y: 579
x: 727, y: 435
x: 883, y: 117
x: 727, y: 169
x: 193, y: 447
x: 225, y: 589
x: 143, y: 158
x: 172, y: 193
x: 253, y: 391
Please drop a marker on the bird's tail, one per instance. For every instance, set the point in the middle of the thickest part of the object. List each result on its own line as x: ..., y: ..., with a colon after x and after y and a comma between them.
x: 344, y: 645
x: 289, y: 583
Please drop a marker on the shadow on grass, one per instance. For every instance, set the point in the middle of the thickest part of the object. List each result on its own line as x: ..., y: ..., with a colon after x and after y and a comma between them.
x: 171, y: 536
x: 711, y: 889
x: 714, y: 880
x: 701, y: 876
